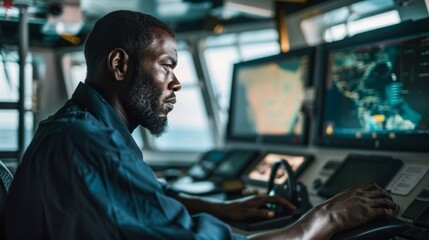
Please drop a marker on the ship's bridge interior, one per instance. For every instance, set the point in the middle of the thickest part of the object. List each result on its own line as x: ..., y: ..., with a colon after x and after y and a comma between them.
x: 338, y: 89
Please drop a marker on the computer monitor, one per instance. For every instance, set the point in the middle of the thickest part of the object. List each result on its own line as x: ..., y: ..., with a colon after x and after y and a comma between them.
x: 267, y: 97
x: 374, y: 90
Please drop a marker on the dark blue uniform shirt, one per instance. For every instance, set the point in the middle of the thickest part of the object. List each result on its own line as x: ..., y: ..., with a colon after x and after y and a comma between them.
x: 83, y: 177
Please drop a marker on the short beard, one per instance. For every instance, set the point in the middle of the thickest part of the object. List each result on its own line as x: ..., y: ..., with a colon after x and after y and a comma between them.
x: 142, y: 104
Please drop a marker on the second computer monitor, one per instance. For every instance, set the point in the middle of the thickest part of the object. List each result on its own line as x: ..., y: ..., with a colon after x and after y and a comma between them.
x: 267, y: 99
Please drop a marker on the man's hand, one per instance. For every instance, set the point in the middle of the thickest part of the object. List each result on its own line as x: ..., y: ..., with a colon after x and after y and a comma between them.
x: 250, y: 207
x: 346, y: 210
x: 359, y: 205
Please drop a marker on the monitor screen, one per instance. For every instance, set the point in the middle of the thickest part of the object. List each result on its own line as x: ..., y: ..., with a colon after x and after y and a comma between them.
x: 266, y: 99
x: 259, y: 172
x: 234, y: 163
x: 360, y: 169
x: 374, y: 93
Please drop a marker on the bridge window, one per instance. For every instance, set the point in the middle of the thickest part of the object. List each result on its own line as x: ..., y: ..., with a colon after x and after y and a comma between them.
x: 343, y: 30
x: 9, y: 96
x: 338, y: 21
x: 223, y: 51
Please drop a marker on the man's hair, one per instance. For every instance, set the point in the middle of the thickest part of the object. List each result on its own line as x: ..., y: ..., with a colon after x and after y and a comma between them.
x: 129, y: 30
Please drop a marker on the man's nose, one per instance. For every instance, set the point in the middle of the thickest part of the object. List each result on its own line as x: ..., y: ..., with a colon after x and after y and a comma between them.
x: 175, y: 84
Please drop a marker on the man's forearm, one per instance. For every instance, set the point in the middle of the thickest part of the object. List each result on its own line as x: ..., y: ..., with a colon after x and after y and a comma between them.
x: 197, y: 204
x: 314, y: 225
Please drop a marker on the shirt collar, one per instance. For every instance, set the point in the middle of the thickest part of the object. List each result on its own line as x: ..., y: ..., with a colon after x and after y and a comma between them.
x: 92, y: 101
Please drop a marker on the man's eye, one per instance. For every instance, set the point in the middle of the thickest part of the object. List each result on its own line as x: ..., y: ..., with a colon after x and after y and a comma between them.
x: 168, y: 67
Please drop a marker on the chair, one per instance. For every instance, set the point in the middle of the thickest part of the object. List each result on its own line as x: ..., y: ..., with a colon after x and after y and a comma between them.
x: 5, y: 181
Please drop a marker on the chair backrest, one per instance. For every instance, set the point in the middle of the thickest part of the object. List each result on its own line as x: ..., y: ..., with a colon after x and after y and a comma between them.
x: 5, y: 181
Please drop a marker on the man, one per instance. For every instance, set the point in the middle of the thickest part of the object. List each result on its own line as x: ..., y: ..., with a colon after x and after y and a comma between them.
x: 83, y: 176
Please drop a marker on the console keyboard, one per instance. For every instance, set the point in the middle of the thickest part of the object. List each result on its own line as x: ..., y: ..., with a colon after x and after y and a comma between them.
x: 415, y: 209
x: 415, y: 233
x: 417, y: 206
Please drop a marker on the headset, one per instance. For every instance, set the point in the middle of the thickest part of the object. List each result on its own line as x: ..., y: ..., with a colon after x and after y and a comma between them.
x: 295, y: 192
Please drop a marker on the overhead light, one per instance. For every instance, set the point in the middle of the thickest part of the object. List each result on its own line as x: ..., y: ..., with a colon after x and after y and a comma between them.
x: 9, y: 13
x: 60, y: 28
x: 252, y: 7
x: 218, y: 29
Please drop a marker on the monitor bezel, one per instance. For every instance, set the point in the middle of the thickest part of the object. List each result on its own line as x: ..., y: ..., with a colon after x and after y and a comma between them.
x: 391, y: 33
x: 296, y: 140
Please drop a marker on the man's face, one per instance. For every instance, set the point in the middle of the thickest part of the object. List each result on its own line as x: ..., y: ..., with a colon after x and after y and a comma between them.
x: 151, y: 96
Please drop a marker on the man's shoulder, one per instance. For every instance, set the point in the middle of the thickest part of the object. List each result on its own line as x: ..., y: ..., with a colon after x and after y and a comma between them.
x: 71, y: 113
x: 74, y: 127
x: 71, y: 137
x: 73, y: 122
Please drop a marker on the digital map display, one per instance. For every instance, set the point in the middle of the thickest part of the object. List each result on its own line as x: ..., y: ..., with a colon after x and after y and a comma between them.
x: 377, y: 89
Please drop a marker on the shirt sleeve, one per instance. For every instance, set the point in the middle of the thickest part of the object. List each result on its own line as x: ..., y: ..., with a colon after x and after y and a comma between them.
x: 123, y: 188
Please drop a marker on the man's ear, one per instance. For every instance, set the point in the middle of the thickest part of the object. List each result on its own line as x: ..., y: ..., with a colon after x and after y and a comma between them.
x: 118, y: 63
